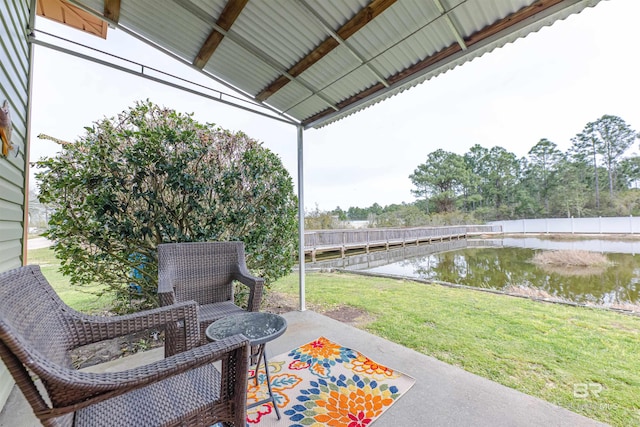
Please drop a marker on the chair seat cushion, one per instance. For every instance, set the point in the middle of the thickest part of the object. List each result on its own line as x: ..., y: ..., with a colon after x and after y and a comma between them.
x: 148, y: 405
x: 208, y: 313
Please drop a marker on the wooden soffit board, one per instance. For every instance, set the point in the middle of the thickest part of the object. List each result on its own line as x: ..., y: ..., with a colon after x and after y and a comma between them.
x: 68, y: 14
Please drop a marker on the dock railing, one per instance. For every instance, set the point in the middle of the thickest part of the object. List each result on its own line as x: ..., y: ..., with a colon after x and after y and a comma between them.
x: 342, y: 241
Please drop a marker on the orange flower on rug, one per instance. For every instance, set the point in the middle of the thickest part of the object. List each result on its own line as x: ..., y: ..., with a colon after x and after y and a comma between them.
x: 325, y: 384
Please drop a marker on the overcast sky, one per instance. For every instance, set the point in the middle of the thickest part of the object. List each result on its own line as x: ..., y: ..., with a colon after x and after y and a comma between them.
x: 547, y: 85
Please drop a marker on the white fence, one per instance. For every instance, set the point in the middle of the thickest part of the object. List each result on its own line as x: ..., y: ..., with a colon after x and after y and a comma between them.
x: 628, y: 246
x: 600, y: 225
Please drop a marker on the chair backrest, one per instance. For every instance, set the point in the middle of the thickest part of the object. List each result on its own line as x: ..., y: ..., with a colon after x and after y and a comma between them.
x: 200, y: 271
x: 32, y: 310
x: 34, y: 326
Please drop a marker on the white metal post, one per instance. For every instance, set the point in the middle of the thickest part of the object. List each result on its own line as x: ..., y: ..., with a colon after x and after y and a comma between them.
x: 301, y: 218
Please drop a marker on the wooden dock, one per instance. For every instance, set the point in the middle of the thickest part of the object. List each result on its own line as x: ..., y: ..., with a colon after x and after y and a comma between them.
x: 341, y: 242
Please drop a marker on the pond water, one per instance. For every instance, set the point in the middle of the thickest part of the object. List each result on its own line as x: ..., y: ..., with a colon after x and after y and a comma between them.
x: 505, y: 265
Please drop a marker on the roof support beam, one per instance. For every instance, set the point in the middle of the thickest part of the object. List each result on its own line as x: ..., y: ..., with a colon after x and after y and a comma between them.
x: 229, y: 14
x: 252, y: 49
x: 362, y: 18
x: 112, y: 10
x: 309, y: 10
x: 419, y: 68
x: 451, y: 25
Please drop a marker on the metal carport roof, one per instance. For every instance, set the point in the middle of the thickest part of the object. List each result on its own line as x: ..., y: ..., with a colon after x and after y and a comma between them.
x: 317, y: 61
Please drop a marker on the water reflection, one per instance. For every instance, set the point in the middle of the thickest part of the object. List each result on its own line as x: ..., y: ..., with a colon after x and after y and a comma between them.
x: 508, y: 268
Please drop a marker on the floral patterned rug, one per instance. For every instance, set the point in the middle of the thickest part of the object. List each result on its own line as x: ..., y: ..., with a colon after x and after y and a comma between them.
x: 325, y: 384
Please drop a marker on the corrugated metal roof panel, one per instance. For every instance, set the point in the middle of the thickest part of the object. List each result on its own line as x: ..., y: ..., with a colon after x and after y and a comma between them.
x: 241, y: 70
x: 337, y: 63
x: 169, y: 26
x: 272, y: 26
x: 421, y: 44
x: 350, y: 84
x: 289, y: 96
x: 212, y: 7
x: 406, y: 42
x: 395, y: 24
x: 473, y: 17
x: 480, y: 49
x: 308, y: 107
x: 336, y: 13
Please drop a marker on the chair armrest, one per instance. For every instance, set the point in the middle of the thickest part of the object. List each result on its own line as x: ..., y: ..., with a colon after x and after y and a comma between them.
x: 165, y: 292
x: 71, y: 390
x: 255, y: 285
x: 91, y: 329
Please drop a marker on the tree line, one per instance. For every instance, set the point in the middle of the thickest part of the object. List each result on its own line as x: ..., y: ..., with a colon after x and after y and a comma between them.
x: 597, y: 176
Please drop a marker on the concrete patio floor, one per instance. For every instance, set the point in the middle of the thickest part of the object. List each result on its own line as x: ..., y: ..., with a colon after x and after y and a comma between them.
x: 443, y: 395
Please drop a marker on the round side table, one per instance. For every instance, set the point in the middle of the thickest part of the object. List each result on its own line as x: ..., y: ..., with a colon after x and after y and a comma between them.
x: 259, y: 328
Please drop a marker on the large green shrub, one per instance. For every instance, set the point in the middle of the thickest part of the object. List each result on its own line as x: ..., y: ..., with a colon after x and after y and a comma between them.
x: 152, y: 175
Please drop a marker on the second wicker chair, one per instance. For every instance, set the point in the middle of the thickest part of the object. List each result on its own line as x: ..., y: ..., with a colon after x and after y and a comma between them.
x: 204, y: 272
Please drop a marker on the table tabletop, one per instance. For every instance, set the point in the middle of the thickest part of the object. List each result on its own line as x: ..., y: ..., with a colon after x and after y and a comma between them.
x: 258, y: 327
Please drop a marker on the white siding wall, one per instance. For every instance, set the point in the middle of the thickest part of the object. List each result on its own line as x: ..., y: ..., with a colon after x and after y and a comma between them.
x: 14, y: 87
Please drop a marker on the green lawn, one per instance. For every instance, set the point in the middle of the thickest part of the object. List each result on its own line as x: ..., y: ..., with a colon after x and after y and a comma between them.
x: 585, y: 360
x: 83, y: 298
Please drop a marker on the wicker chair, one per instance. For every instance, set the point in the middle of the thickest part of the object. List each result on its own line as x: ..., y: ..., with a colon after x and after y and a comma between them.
x: 204, y: 272
x: 38, y: 331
